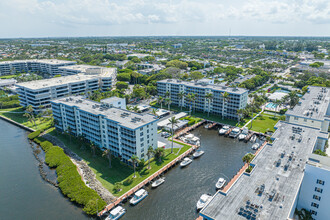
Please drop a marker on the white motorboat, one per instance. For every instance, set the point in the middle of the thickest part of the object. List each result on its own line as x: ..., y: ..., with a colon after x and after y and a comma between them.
x: 198, y: 153
x: 116, y: 213
x: 158, y: 182
x: 221, y: 182
x: 138, y: 196
x: 255, y: 146
x: 235, y: 132
x: 224, y: 129
x: 253, y: 138
x: 192, y: 139
x: 186, y: 161
x: 244, y: 133
x: 203, y: 200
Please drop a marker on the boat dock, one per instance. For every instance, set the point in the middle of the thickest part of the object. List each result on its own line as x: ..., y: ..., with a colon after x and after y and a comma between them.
x: 247, y: 138
x: 187, y: 129
x: 213, y: 125
x: 240, y: 172
x: 148, y: 180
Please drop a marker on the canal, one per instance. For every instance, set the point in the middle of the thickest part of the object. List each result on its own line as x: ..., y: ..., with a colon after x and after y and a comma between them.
x: 23, y: 193
x: 177, y: 197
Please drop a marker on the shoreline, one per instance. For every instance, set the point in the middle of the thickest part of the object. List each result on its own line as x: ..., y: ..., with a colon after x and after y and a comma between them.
x: 87, y: 175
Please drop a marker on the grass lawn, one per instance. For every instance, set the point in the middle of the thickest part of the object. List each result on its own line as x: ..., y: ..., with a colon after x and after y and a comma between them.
x: 263, y: 123
x: 202, y: 115
x: 41, y: 123
x: 8, y: 76
x: 119, y: 172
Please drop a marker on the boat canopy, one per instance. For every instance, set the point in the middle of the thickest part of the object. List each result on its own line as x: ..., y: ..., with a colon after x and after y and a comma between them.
x: 204, y: 198
x: 221, y: 179
x: 116, y: 211
x: 140, y: 192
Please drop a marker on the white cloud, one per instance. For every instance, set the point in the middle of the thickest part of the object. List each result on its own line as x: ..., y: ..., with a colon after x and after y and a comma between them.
x: 174, y: 15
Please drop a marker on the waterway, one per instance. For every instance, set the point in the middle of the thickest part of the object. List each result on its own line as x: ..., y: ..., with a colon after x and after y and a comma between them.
x: 23, y: 193
x: 177, y: 197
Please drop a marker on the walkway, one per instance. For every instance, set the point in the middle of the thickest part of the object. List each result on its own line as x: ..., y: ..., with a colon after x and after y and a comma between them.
x: 262, y: 110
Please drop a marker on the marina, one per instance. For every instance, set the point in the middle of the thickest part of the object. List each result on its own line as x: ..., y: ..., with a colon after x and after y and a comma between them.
x: 184, y: 187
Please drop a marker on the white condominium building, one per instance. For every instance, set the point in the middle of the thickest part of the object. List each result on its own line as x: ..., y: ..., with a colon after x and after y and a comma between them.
x: 41, y: 92
x: 314, y: 195
x: 123, y: 132
x: 237, y: 97
x: 50, y: 66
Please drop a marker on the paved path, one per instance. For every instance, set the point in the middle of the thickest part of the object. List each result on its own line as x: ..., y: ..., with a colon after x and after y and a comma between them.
x: 254, y: 117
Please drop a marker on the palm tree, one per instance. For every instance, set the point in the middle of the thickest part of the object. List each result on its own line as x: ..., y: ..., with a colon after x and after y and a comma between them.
x: 193, y: 99
x: 129, y: 107
x: 167, y: 94
x: 173, y: 122
x: 135, y: 108
x: 168, y: 103
x: 134, y: 159
x: 107, y: 153
x: 159, y: 153
x: 29, y: 110
x: 225, y: 98
x: 160, y: 101
x: 247, y: 158
x: 93, y: 147
x: 181, y: 95
x: 209, y: 97
x: 154, y: 111
x: 150, y: 153
x: 189, y: 98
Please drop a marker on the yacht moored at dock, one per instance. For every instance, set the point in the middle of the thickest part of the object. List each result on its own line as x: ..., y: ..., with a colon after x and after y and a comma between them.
x: 253, y: 138
x: 203, y: 200
x: 223, y: 130
x: 255, y: 146
x: 235, y: 132
x: 158, y: 182
x: 138, y: 196
x: 244, y: 133
x: 198, y: 153
x: 186, y: 161
x: 221, y: 182
x: 116, y: 213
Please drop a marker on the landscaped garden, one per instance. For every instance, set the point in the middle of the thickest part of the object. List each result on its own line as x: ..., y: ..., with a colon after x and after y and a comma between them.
x: 264, y: 123
x: 120, y: 175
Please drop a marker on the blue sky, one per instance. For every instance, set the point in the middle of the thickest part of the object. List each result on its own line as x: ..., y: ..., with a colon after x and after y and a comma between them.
x: 54, y: 18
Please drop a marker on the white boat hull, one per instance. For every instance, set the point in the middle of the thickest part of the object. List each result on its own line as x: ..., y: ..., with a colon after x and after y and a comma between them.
x: 134, y: 201
x: 157, y: 183
x: 198, y: 154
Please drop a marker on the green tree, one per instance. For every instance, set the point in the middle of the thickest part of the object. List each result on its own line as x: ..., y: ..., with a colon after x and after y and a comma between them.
x: 160, y: 101
x: 107, y: 153
x: 149, y: 154
x: 121, y: 85
x: 134, y: 159
x: 209, y: 97
x: 159, y: 153
x: 177, y: 63
x: 168, y: 102
x: 196, y: 75
x: 93, y: 148
x: 225, y: 99
x: 173, y: 122
x: 181, y: 96
x: 247, y: 158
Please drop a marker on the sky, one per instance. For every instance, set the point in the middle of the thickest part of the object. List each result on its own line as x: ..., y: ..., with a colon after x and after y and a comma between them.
x: 71, y: 18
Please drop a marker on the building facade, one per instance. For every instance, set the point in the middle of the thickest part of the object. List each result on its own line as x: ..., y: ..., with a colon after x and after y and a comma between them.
x: 314, y: 195
x: 123, y: 132
x: 50, y: 67
x: 237, y: 97
x: 41, y: 92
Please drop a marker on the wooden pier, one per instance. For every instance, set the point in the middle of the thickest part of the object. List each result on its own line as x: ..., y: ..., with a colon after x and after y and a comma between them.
x: 187, y: 129
x: 228, y: 132
x: 212, y: 125
x: 148, y: 180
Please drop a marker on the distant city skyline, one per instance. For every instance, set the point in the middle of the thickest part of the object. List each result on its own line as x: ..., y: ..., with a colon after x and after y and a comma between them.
x: 74, y: 18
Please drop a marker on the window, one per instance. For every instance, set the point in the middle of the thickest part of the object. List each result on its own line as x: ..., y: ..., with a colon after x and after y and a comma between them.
x: 305, y: 120
x: 141, y: 139
x: 313, y: 212
x: 318, y: 190
x: 296, y: 118
x: 148, y: 136
x: 141, y: 134
x: 141, y: 129
x: 321, y: 182
x: 142, y: 155
x: 318, y: 198
x: 313, y: 204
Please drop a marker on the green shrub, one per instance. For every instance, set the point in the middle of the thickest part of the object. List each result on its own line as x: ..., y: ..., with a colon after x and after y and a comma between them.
x: 46, y: 145
x: 34, y: 134
x: 249, y: 169
x: 283, y: 111
x: 70, y: 181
